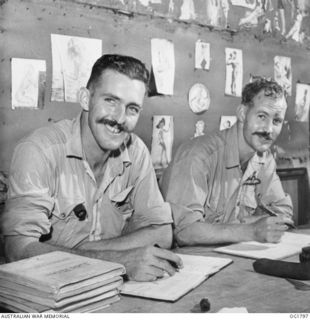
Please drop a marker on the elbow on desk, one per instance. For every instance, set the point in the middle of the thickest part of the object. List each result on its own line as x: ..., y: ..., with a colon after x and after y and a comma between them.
x: 15, y: 248
x: 164, y: 236
x: 184, y: 237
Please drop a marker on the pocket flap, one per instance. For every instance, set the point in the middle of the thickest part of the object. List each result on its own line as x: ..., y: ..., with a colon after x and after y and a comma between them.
x: 121, y: 196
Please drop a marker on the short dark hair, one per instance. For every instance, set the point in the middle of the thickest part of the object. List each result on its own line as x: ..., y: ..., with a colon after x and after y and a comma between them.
x: 270, y: 88
x: 129, y: 66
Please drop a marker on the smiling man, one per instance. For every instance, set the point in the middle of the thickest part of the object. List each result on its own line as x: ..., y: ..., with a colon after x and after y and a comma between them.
x: 223, y: 187
x: 87, y: 185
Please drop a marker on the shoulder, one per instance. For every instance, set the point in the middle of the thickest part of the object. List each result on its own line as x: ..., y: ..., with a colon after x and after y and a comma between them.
x: 201, y: 147
x: 45, y: 137
x: 46, y: 142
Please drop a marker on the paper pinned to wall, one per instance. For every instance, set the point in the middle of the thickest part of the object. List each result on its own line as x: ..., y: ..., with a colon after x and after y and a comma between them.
x: 283, y: 73
x: 162, y: 140
x: 227, y: 122
x: 244, y: 3
x: 234, y: 72
x: 28, y: 83
x: 202, y: 55
x: 163, y: 64
x: 73, y: 58
x: 188, y: 10
x: 302, y: 102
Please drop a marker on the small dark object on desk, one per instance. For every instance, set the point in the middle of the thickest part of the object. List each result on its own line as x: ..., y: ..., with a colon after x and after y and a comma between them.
x: 204, y: 305
x: 305, y: 254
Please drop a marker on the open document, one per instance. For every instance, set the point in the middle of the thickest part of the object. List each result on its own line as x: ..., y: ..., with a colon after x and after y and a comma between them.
x: 196, y: 269
x: 290, y: 244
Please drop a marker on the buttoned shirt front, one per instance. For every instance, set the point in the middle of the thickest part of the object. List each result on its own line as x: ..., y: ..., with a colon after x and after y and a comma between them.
x: 205, y: 182
x: 50, y: 176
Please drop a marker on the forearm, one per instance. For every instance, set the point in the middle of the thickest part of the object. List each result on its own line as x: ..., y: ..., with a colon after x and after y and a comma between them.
x: 18, y: 247
x: 160, y: 235
x: 205, y: 233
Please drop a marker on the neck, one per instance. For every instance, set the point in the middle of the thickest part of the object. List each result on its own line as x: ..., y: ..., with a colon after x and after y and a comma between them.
x: 245, y: 152
x: 95, y: 156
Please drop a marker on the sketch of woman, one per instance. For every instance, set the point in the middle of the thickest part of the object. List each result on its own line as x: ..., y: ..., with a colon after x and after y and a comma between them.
x: 161, y: 140
x: 232, y: 61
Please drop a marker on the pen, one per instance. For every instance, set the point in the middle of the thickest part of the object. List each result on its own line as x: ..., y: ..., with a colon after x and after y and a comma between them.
x: 272, y: 214
x: 173, y: 264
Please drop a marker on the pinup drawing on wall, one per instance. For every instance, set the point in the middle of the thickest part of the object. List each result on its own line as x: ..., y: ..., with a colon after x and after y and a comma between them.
x: 163, y: 65
x: 187, y: 10
x: 162, y: 140
x: 202, y: 55
x: 302, y: 102
x: 283, y: 73
x: 217, y: 13
x: 199, y: 128
x: 28, y: 83
x: 227, y: 122
x: 73, y: 58
x: 295, y: 31
x: 234, y: 72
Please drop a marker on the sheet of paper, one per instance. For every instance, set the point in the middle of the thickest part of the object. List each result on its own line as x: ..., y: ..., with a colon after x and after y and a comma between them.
x: 28, y: 83
x: 283, y: 73
x: 196, y: 269
x: 290, y: 244
x: 73, y: 58
x: 162, y: 141
x: 202, y: 55
x: 163, y: 63
x: 302, y: 102
x: 234, y: 72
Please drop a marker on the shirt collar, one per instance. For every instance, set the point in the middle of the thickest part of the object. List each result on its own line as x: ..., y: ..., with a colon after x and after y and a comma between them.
x: 232, y: 149
x: 74, y: 143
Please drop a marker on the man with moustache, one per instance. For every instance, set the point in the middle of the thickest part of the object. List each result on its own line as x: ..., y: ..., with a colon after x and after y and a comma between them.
x: 87, y: 185
x: 223, y: 187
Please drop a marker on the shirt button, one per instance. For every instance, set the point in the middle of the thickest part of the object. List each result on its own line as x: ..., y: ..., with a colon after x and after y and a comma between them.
x: 62, y: 215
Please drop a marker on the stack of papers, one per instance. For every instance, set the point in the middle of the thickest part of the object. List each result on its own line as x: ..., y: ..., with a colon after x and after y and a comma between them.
x: 59, y: 282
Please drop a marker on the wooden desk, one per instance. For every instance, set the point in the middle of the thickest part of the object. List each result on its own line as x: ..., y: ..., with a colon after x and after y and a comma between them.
x: 238, y: 285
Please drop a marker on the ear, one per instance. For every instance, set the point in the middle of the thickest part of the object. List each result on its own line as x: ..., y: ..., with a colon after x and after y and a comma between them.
x: 84, y: 95
x: 241, y: 112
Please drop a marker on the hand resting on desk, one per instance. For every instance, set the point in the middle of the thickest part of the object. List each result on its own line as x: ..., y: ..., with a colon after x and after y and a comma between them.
x: 269, y: 229
x: 150, y: 263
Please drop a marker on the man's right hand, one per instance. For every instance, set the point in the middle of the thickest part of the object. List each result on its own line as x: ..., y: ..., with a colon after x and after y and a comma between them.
x: 269, y: 229
x: 150, y: 263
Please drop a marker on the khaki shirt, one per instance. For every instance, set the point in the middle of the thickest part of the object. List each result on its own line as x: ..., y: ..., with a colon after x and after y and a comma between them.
x: 205, y: 182
x: 50, y: 176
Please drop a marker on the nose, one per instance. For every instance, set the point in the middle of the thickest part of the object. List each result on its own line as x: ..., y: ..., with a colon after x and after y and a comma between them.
x: 120, y: 113
x: 268, y: 126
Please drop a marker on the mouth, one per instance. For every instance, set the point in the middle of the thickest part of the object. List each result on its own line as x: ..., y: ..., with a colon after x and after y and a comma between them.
x: 115, y: 130
x: 112, y: 127
x: 264, y: 137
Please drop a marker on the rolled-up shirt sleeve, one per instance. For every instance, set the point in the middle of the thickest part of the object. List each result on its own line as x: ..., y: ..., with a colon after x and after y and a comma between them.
x: 272, y: 193
x: 29, y: 200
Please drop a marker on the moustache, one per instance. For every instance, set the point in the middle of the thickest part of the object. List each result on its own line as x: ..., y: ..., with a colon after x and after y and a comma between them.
x: 112, y: 123
x: 264, y: 135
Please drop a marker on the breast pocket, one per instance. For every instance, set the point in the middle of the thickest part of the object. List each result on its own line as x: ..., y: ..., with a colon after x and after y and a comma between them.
x: 122, y: 202
x: 68, y: 230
